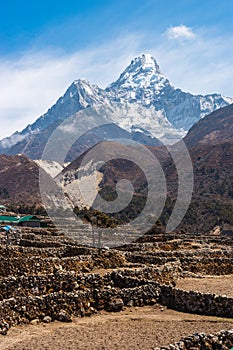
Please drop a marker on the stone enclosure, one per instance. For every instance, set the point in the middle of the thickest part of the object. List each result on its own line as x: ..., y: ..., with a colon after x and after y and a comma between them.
x: 45, y: 276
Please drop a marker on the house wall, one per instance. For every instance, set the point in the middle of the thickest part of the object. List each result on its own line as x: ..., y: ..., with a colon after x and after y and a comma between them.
x: 30, y: 224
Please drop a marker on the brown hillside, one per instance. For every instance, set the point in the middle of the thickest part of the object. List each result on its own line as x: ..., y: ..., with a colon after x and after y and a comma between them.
x: 215, y: 128
x: 19, y: 180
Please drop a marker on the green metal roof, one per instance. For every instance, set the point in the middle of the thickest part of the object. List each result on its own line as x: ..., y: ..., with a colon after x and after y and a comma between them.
x: 29, y: 218
x: 15, y: 219
x: 5, y: 218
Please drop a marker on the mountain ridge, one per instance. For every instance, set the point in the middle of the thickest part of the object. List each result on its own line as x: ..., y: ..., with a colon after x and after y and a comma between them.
x: 142, y: 100
x: 212, y: 201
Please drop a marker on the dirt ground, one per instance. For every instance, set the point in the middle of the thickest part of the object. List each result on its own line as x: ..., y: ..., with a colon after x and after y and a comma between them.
x: 221, y: 285
x: 134, y: 329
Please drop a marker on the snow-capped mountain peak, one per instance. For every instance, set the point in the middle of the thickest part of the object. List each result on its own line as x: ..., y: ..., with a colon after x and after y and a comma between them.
x: 144, y: 62
x: 86, y: 93
x: 142, y: 72
x: 141, y: 99
x: 85, y: 84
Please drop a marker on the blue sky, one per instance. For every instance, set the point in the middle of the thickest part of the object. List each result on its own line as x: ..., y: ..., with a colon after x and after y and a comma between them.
x: 45, y: 45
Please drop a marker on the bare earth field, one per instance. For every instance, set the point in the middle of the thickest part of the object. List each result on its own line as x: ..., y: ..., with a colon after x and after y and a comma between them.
x: 221, y: 285
x: 134, y: 328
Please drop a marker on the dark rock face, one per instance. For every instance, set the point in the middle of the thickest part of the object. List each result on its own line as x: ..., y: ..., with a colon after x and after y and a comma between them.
x: 63, y: 316
x: 19, y: 178
x: 47, y: 319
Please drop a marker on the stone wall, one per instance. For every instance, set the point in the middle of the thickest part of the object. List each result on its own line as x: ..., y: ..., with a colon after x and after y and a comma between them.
x: 221, y: 265
x: 14, y: 262
x: 196, y: 302
x: 19, y: 310
x: 29, y: 297
x: 34, y: 297
x: 62, y: 281
x: 32, y: 265
x: 222, y: 340
x: 48, y: 278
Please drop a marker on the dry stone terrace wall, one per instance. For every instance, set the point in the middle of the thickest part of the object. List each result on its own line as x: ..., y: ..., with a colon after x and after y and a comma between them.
x: 67, y: 282
x: 94, y: 292
x: 222, y: 340
x: 38, y: 265
x: 15, y: 311
x: 196, y: 302
x: 47, y: 275
x: 16, y: 261
x: 197, y: 264
x: 80, y: 296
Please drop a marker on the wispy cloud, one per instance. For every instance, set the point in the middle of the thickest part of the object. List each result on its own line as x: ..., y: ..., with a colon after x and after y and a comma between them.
x: 30, y: 84
x: 180, y: 32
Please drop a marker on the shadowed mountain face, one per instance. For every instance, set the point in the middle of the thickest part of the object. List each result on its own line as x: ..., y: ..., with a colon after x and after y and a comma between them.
x: 20, y: 184
x: 19, y: 181
x: 142, y: 102
x: 212, y: 202
x: 34, y: 148
x: 215, y: 128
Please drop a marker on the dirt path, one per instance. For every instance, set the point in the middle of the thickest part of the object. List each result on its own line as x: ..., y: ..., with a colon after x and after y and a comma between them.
x: 134, y: 329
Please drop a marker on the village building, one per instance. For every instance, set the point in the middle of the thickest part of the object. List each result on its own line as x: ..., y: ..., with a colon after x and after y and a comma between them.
x: 3, y: 208
x: 25, y: 221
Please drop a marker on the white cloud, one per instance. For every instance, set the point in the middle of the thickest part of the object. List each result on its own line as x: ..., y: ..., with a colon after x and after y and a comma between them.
x: 180, y: 32
x: 200, y: 66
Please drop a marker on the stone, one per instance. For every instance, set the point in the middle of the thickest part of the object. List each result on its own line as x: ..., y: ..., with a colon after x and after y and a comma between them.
x: 4, y: 331
x: 130, y: 303
x: 63, y: 316
x: 47, y: 319
x: 35, y: 321
x: 115, y: 305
